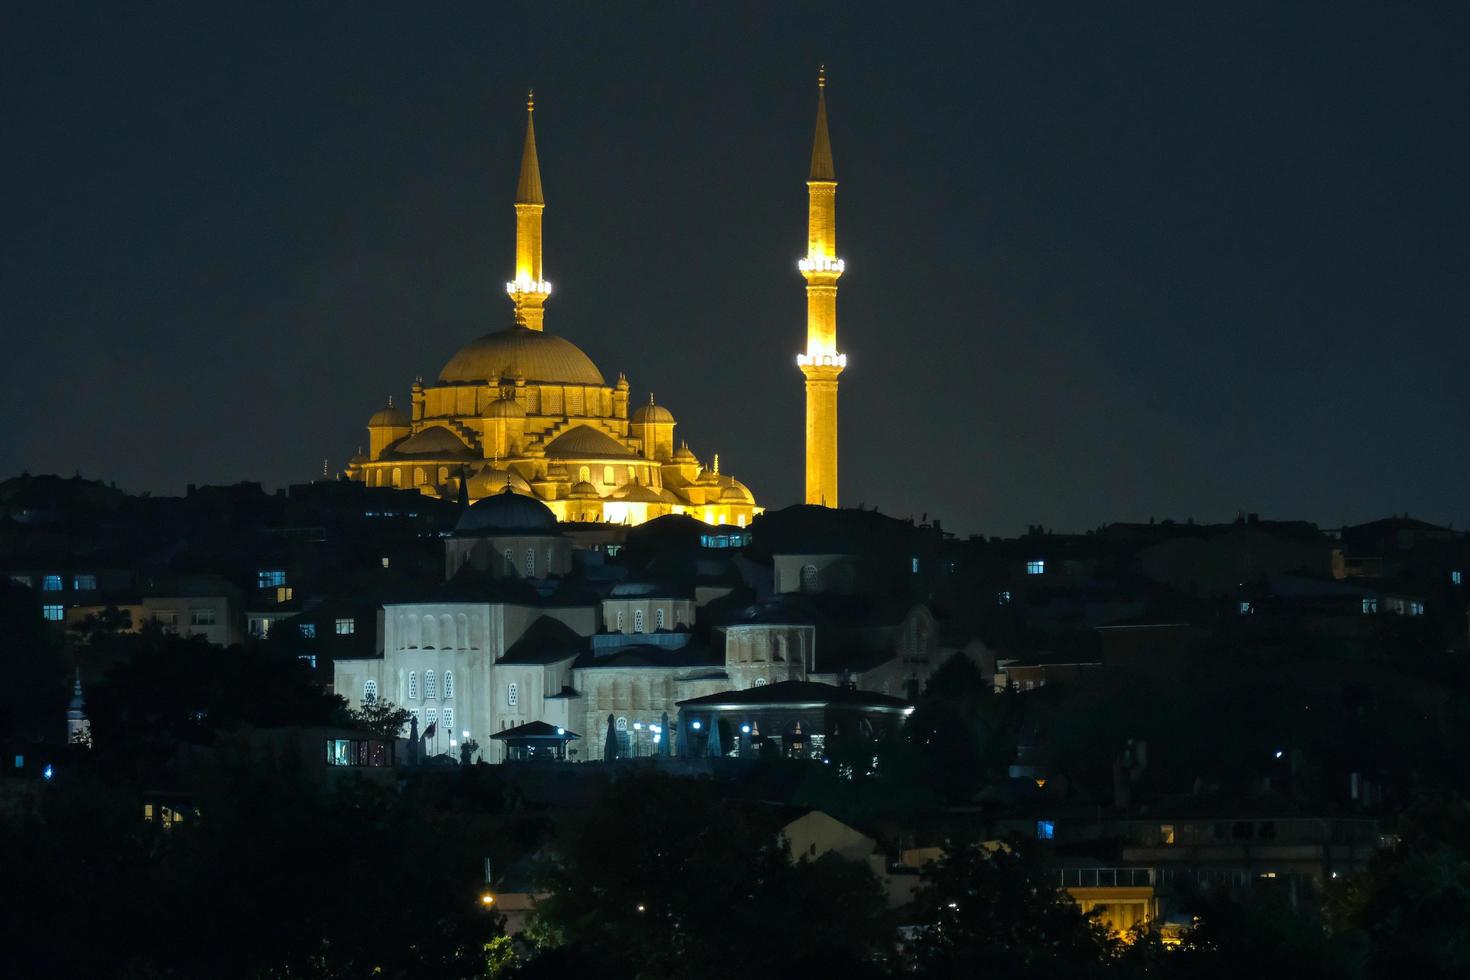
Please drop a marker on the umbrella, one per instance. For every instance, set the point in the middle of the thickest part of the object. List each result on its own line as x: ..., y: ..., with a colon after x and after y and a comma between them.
x: 714, y: 738
x: 666, y: 737
x: 610, y: 744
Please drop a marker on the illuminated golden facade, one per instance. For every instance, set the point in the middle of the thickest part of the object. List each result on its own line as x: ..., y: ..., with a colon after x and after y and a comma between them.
x: 527, y: 410
x: 821, y: 363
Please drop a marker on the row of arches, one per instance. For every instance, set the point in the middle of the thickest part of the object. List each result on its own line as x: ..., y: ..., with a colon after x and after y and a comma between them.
x: 442, y: 632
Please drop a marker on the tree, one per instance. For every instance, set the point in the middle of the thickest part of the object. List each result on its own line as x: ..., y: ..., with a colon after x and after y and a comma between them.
x: 990, y: 910
x: 379, y: 716
x: 662, y: 878
x: 964, y: 725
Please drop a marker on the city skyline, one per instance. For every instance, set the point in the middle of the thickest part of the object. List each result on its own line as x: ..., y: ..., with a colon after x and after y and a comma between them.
x: 1207, y: 267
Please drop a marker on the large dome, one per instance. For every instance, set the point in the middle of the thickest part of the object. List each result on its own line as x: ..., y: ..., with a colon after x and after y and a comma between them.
x: 521, y: 352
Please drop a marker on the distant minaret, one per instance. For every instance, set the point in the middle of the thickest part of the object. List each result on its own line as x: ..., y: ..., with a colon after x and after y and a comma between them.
x: 529, y: 291
x: 77, y: 725
x: 821, y: 363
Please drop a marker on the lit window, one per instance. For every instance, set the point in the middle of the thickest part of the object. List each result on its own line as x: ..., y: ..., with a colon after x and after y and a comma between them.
x: 51, y: 583
x: 260, y: 626
x: 308, y: 630
x: 54, y: 614
x: 310, y: 659
x: 1037, y: 567
x: 1370, y: 605
x: 1456, y: 578
x: 21, y: 580
x: 346, y: 627
x: 369, y: 691
x: 607, y: 476
x: 1416, y: 609
x: 1045, y: 829
x: 167, y: 618
x: 620, y: 620
x: 637, y: 620
x: 201, y: 617
x: 914, y: 565
x: 621, y: 725
x: 431, y: 686
x: 413, y: 685
x: 449, y: 683
x: 385, y: 562
x: 270, y: 578
x: 761, y: 682
x: 1166, y: 834
x: 1003, y: 598
x: 512, y: 694
x: 88, y: 583
x: 449, y: 719
x: 658, y: 619
x: 431, y: 716
x: 1246, y: 608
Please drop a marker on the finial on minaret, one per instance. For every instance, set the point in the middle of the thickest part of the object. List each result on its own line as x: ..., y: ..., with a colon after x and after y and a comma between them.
x: 390, y: 401
x: 528, y: 187
x: 822, y: 168
x: 650, y: 398
x: 717, y: 464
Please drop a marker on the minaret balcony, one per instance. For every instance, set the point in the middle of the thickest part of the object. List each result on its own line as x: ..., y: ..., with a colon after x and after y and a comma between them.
x: 528, y: 287
x: 820, y: 264
x: 821, y: 360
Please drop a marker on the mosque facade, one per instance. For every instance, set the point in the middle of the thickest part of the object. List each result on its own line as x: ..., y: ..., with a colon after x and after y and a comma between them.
x: 525, y: 409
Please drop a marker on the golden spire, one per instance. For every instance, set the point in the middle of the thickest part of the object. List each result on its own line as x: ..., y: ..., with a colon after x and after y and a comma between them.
x: 528, y: 188
x: 822, y: 144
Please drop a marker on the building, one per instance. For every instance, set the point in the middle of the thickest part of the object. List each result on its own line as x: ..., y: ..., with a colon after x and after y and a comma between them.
x: 526, y: 411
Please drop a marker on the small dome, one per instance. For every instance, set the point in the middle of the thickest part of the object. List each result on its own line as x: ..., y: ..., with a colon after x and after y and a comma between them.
x: 506, y: 512
x: 582, y: 490
x: 638, y: 493
x: 735, y: 490
x: 489, y: 480
x: 505, y: 408
x: 685, y: 455
x: 652, y: 413
x: 732, y: 494
x: 389, y: 417
x: 585, y: 442
x: 435, y: 441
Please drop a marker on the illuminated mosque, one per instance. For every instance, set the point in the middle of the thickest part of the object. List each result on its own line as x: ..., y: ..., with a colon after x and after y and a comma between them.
x: 525, y: 411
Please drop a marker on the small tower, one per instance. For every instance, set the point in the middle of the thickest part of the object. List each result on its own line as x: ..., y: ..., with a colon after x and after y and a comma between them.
x: 653, y: 426
x: 78, y: 728
x: 386, y: 427
x: 821, y: 363
x: 528, y: 291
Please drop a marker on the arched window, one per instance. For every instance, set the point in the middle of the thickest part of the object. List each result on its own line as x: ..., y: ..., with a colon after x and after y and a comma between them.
x: 620, y: 621
x: 512, y: 694
x: 658, y: 619
x: 585, y: 474
x: 413, y: 685
x: 760, y: 682
x: 530, y: 563
x: 510, y: 562
x: 548, y: 561
x: 398, y: 476
x: 431, y: 686
x: 431, y: 715
x: 418, y: 476
x: 449, y: 683
x: 370, y: 691
x: 449, y: 721
x: 637, y: 620
x: 607, y: 476
x: 443, y: 475
x: 430, y: 635
x: 809, y: 578
x: 413, y: 715
x: 621, y: 724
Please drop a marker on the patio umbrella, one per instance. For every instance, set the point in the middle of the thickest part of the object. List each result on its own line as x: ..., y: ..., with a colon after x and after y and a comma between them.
x: 666, y: 737
x: 714, y: 749
x: 610, y: 744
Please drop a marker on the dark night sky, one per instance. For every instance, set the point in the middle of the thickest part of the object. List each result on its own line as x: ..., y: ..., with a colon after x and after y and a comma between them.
x: 1105, y: 261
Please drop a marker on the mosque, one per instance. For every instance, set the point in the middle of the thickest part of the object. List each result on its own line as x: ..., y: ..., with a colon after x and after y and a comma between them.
x: 526, y: 410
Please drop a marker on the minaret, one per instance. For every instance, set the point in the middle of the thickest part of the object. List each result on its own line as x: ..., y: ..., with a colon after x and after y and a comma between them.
x: 529, y: 290
x: 821, y: 363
